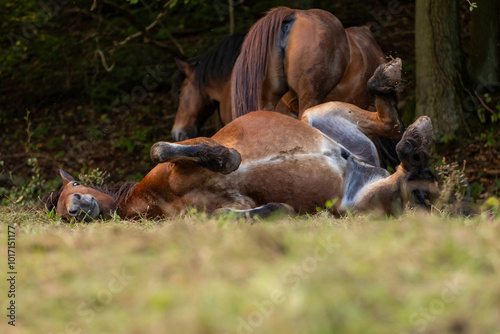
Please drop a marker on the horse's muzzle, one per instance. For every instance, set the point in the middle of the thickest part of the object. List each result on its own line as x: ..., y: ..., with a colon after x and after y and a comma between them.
x: 180, y: 134
x: 82, y: 207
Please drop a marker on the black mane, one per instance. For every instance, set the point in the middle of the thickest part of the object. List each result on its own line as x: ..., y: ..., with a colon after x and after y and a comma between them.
x: 216, y: 64
x: 118, y: 191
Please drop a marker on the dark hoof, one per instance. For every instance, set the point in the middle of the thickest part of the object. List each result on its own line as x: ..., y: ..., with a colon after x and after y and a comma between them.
x: 413, y: 148
x: 220, y: 159
x: 215, y: 158
x: 387, y: 78
x: 161, y: 152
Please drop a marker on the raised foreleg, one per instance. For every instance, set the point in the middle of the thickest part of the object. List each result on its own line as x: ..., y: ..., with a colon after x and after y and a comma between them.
x: 413, y: 181
x: 205, y: 152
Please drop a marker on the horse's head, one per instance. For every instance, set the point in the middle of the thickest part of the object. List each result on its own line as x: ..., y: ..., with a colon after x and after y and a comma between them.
x: 83, y: 203
x: 194, y: 104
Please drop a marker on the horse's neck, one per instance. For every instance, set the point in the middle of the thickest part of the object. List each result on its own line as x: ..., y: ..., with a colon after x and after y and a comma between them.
x: 133, y: 201
x: 215, y: 89
x: 220, y: 91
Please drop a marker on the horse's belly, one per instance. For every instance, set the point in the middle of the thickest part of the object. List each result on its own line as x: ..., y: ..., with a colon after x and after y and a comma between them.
x: 329, y: 118
x: 305, y: 181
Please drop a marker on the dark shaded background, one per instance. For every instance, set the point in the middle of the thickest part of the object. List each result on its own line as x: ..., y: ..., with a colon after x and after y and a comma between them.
x: 56, y: 95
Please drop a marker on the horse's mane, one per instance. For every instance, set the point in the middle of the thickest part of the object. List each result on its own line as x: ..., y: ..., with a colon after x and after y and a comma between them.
x: 118, y: 191
x: 216, y: 64
x: 251, y: 66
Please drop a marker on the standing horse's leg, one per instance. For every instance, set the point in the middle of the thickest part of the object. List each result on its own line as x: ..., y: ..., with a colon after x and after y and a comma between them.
x: 384, y: 122
x: 274, y: 85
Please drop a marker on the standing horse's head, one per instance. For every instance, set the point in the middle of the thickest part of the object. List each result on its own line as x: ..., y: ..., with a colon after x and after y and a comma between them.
x: 195, y: 107
x: 83, y: 203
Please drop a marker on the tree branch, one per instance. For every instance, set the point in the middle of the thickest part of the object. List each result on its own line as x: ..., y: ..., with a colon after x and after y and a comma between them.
x: 103, y: 60
x: 179, y: 53
x: 165, y: 29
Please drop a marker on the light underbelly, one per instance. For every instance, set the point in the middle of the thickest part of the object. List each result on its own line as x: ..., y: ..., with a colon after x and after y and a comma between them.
x: 304, y: 181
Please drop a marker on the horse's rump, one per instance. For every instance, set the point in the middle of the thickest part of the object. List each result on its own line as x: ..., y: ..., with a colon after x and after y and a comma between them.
x: 251, y: 66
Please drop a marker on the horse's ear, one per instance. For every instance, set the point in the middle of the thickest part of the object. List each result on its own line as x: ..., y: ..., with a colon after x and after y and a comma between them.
x: 182, y: 65
x: 66, y: 178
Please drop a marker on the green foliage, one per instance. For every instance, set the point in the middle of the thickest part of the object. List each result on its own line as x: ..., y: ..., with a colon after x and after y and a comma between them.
x: 28, y: 192
x: 493, y: 205
x: 130, y: 142
x: 454, y: 187
x: 95, y: 177
x: 329, y: 204
x: 472, y: 5
x: 445, y: 138
x: 476, y: 189
x: 490, y: 135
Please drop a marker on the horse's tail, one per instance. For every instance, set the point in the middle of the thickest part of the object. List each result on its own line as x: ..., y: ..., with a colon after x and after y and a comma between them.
x: 251, y: 66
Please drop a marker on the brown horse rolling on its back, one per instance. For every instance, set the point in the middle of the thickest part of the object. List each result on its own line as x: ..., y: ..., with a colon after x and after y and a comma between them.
x: 203, y: 84
x: 265, y: 161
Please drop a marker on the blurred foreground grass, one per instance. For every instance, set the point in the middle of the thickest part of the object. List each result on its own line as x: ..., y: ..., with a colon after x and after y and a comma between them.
x: 412, y: 274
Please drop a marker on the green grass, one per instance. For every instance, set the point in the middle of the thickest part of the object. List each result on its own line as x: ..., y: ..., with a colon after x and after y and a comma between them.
x: 412, y: 274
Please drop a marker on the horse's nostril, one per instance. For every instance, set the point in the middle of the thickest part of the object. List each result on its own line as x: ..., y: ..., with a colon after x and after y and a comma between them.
x: 77, y: 196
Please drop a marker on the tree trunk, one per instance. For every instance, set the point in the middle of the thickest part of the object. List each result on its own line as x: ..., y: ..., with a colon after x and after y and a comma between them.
x: 439, y: 91
x: 485, y: 39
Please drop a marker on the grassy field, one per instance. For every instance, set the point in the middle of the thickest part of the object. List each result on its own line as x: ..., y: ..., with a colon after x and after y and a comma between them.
x: 413, y: 274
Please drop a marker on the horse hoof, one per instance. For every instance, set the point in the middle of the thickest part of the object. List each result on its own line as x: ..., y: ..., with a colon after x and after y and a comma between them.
x: 387, y: 78
x: 220, y: 159
x: 413, y: 148
x: 160, y: 152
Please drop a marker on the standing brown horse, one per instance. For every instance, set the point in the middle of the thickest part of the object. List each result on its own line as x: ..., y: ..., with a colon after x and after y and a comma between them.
x: 203, y: 84
x: 306, y: 52
x: 264, y: 161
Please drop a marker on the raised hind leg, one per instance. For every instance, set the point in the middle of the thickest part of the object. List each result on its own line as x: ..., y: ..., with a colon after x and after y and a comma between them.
x: 384, y: 122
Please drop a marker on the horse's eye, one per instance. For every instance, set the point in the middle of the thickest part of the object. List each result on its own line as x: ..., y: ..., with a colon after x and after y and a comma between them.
x: 75, y: 184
